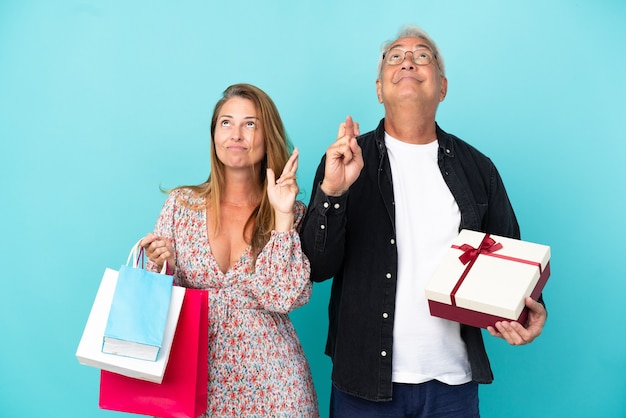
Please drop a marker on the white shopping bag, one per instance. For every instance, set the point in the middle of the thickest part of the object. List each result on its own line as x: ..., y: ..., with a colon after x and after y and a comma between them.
x: 90, y: 352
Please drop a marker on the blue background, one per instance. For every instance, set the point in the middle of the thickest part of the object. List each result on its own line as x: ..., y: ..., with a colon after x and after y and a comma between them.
x: 101, y: 102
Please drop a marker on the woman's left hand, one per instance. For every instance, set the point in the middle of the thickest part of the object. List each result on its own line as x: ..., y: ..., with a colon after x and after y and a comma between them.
x: 282, y: 192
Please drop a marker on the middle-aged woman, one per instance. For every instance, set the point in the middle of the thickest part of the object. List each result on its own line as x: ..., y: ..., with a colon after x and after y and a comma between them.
x: 237, y: 236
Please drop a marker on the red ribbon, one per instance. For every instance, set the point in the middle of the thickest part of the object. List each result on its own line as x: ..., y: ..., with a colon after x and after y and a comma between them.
x: 487, y: 246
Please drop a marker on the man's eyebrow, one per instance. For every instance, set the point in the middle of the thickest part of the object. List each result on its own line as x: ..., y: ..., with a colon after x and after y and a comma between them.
x: 419, y: 46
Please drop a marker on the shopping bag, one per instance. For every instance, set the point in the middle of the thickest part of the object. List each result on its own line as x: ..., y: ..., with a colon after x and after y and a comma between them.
x: 183, y: 391
x: 139, y: 310
x: 89, y: 351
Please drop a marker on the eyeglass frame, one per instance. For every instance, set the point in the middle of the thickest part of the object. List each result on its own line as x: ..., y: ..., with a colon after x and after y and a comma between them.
x: 431, y: 55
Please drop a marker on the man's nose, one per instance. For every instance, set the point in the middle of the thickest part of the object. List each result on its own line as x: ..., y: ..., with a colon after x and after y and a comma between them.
x: 408, y: 63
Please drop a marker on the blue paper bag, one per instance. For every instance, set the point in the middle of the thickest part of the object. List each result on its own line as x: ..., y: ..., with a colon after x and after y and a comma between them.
x: 138, y: 315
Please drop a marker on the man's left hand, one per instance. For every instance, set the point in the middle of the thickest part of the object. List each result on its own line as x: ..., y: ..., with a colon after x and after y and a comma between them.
x: 515, y: 333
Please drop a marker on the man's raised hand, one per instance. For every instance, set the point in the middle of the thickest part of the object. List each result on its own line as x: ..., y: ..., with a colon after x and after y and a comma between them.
x: 344, y: 160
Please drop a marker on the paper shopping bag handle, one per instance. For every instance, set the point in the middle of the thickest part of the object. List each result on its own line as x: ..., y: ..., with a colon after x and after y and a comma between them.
x: 137, y: 253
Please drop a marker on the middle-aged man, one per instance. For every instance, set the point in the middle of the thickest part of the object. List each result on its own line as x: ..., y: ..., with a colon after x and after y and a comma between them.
x: 384, y: 209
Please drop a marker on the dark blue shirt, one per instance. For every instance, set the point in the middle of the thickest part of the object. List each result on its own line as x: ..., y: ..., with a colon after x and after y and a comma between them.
x: 352, y: 239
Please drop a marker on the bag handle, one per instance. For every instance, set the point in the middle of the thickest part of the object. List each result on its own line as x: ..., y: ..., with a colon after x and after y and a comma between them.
x: 137, y: 253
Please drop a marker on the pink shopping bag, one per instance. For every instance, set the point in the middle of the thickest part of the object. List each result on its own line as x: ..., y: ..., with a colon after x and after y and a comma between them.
x: 183, y: 392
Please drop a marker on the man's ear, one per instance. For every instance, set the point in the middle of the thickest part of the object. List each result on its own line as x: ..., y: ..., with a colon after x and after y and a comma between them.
x: 444, y: 88
x: 379, y: 90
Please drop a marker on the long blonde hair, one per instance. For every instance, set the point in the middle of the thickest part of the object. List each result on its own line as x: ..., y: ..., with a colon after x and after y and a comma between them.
x: 277, y: 151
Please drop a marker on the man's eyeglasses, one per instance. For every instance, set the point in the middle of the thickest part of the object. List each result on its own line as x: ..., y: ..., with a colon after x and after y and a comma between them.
x: 395, y: 56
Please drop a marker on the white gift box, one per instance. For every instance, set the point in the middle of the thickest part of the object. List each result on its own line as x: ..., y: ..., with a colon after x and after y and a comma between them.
x: 486, y: 278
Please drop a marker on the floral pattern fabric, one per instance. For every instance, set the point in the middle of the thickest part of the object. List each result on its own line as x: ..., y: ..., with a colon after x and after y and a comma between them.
x: 257, y: 367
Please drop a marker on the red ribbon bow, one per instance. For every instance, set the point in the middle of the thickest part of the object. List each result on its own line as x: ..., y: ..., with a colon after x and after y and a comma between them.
x: 487, y: 246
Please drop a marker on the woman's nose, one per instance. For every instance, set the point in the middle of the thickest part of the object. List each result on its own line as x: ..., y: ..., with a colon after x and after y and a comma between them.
x: 237, y: 134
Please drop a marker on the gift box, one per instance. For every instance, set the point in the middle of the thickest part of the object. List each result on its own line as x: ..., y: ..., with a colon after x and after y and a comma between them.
x: 486, y: 278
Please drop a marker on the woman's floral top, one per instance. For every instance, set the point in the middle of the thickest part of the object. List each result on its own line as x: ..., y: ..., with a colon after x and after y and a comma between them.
x: 257, y: 367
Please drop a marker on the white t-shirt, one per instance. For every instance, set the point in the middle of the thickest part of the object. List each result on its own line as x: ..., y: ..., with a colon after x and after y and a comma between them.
x: 427, y: 221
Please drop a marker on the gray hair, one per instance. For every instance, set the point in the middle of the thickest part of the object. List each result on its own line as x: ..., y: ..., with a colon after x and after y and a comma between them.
x: 413, y: 31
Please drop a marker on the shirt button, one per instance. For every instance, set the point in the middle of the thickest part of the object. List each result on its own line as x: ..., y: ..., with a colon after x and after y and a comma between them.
x: 326, y: 204
x: 385, y: 315
x: 322, y: 226
x: 392, y: 241
x: 388, y: 275
x: 383, y: 353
